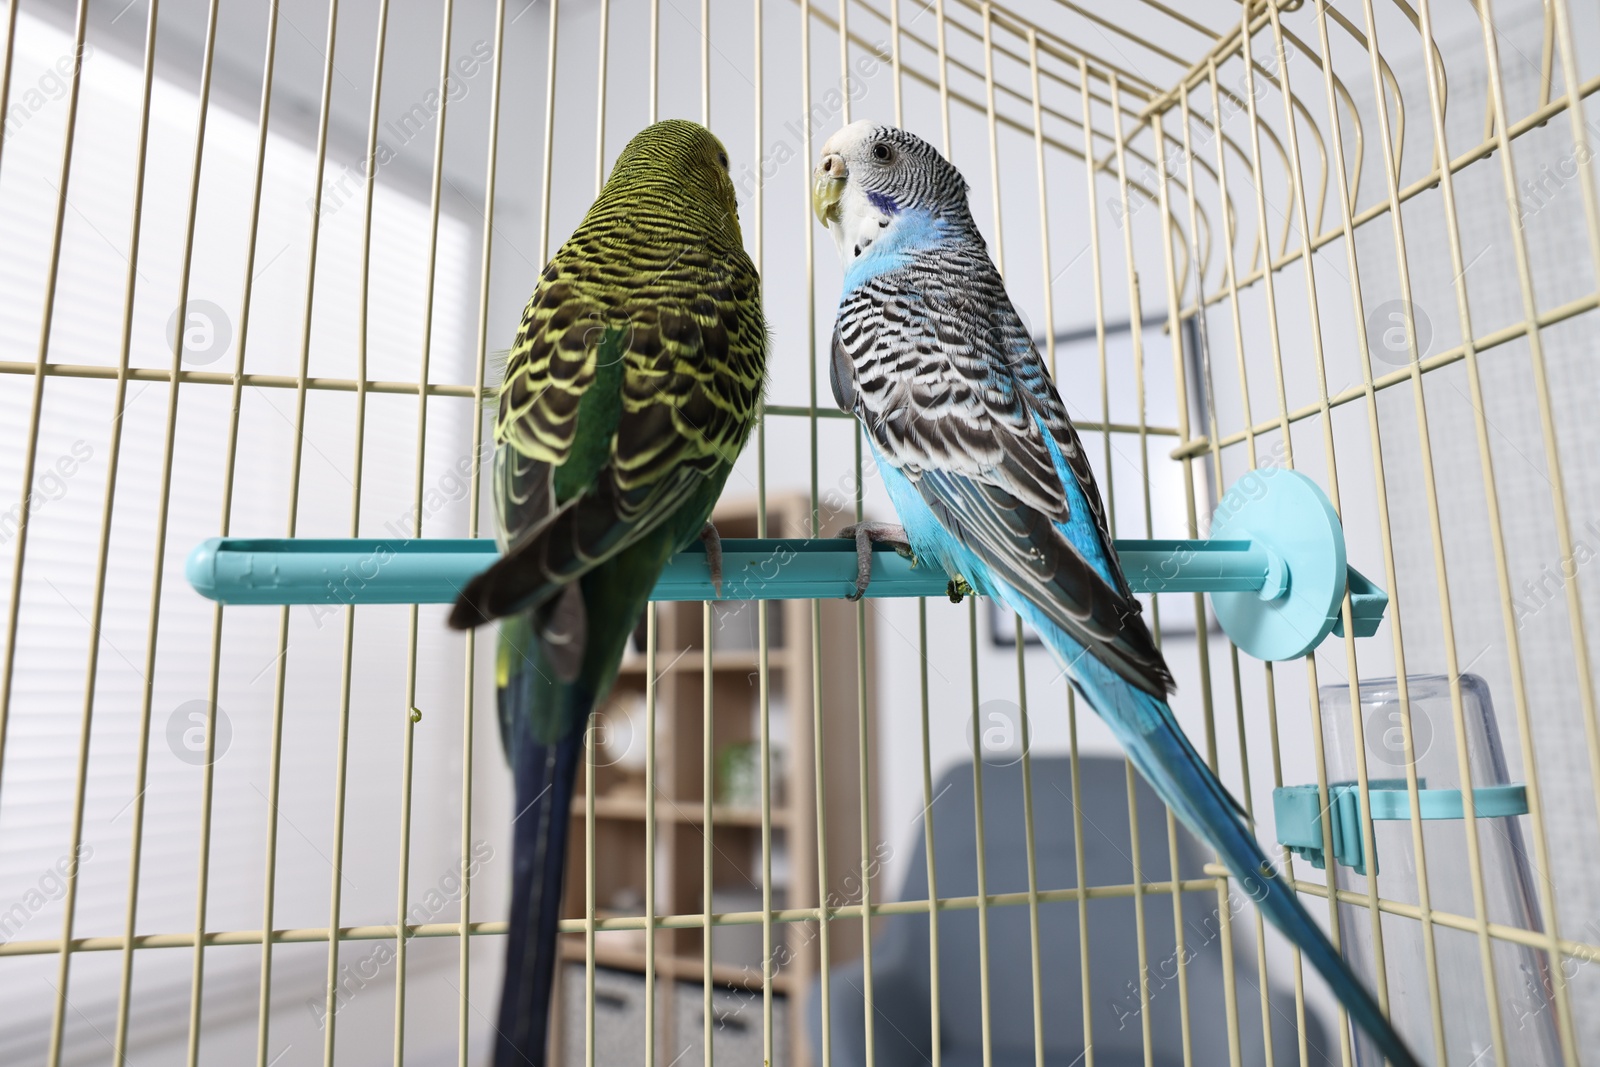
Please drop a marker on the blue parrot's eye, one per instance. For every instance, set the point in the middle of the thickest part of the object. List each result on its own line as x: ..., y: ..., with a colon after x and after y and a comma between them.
x: 882, y: 152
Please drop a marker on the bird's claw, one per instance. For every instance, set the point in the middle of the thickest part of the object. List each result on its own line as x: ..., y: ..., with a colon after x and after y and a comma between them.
x: 713, y: 542
x: 957, y: 589
x: 865, y: 533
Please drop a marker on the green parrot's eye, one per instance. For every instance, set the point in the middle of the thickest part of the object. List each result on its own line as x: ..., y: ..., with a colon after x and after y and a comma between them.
x: 722, y: 157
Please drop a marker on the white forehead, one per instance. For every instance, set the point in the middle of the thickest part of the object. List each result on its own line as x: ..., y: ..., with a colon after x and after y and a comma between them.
x: 850, y: 138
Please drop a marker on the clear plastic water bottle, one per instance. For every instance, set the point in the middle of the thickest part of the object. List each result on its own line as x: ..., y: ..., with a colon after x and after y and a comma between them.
x: 1522, y: 994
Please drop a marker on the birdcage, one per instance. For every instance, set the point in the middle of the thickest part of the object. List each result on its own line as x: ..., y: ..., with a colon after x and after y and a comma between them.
x: 259, y: 260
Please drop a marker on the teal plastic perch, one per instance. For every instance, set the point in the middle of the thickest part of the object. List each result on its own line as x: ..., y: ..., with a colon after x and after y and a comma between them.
x: 1275, y: 568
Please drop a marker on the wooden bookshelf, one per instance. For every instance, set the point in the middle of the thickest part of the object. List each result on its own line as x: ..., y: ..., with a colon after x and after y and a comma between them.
x: 621, y: 806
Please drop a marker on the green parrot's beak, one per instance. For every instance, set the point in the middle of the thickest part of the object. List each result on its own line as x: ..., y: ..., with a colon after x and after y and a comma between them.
x: 827, y: 186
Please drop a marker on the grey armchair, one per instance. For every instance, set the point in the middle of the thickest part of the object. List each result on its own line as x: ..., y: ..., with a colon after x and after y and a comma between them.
x: 901, y: 973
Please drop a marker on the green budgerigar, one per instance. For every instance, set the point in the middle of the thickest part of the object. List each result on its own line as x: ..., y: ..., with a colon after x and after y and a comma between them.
x: 631, y: 389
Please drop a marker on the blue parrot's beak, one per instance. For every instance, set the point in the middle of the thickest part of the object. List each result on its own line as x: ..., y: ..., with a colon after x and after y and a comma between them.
x: 827, y: 186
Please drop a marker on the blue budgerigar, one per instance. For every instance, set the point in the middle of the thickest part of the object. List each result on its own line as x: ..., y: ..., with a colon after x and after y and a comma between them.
x: 992, y: 484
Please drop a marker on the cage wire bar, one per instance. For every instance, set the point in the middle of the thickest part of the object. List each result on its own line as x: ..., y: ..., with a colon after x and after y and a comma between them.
x: 1119, y: 129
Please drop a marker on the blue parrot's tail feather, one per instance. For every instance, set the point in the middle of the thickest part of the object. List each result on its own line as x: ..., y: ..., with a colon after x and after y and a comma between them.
x: 1158, y: 747
x: 545, y: 774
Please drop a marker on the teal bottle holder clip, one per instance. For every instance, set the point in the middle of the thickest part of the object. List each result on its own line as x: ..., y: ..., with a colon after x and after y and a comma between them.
x: 1274, y: 566
x: 1299, y: 815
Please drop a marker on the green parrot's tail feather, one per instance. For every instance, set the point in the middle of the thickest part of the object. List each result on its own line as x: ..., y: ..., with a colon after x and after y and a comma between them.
x: 545, y: 773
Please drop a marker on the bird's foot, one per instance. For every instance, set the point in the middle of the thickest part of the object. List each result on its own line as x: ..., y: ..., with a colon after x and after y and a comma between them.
x: 865, y: 533
x: 957, y: 590
x: 713, y: 542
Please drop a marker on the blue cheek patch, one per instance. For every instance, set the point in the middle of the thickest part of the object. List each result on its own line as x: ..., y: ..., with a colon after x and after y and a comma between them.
x: 884, y: 204
x: 914, y: 231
